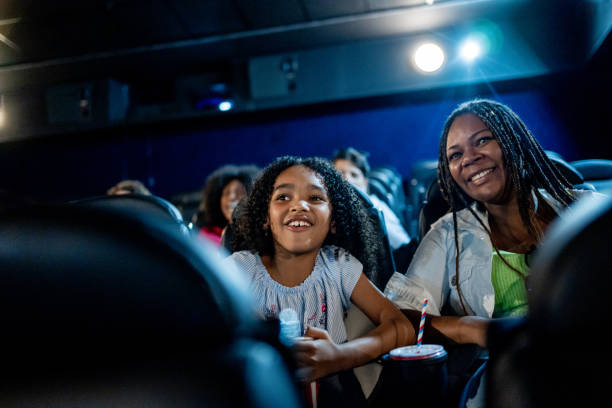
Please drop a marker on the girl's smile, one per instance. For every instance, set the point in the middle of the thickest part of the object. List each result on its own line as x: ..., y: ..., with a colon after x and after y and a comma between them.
x: 300, y: 212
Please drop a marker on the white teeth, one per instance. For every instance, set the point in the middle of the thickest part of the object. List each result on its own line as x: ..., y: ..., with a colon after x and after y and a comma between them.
x: 299, y: 224
x: 480, y: 175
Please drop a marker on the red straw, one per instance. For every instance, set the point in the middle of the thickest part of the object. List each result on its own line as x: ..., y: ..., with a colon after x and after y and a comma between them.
x: 422, y: 325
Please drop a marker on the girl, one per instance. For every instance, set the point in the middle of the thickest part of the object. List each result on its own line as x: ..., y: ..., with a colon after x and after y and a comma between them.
x: 301, y: 223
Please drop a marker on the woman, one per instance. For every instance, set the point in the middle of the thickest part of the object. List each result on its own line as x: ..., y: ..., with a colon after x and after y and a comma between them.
x: 475, y: 261
x: 224, y: 188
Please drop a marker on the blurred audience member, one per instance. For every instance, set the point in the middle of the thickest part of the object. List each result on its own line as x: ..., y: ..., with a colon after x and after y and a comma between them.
x: 224, y: 188
x: 128, y: 187
x: 354, y: 166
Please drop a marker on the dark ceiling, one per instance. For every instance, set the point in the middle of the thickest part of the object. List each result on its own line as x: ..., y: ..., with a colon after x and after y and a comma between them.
x: 43, y: 43
x: 56, y: 40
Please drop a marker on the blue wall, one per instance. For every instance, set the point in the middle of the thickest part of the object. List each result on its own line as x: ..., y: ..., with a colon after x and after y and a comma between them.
x: 177, y: 157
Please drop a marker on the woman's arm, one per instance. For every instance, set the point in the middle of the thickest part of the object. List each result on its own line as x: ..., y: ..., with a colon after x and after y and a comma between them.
x: 322, y: 356
x: 451, y: 329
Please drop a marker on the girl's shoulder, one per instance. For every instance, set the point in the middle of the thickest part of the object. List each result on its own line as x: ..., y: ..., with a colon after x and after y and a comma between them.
x: 245, y: 260
x: 338, y: 255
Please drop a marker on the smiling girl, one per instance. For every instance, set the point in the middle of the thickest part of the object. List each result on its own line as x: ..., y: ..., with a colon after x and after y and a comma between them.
x: 302, y: 221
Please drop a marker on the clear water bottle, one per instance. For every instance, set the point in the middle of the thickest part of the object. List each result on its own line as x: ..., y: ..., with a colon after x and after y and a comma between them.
x: 290, y: 326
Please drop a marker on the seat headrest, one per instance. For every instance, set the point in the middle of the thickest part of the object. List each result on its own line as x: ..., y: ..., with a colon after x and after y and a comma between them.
x: 135, y: 205
x: 96, y: 278
x: 594, y: 169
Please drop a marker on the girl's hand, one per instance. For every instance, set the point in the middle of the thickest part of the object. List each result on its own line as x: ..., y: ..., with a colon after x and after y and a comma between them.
x: 317, y: 357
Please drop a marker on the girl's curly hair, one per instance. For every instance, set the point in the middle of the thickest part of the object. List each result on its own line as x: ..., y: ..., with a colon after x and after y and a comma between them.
x: 209, y: 212
x: 353, y: 232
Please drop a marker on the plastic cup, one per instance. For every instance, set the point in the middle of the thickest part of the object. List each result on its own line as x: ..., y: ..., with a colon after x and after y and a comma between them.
x: 415, y: 374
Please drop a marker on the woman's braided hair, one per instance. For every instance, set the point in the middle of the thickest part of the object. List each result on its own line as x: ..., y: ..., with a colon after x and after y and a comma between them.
x: 526, y: 163
x: 352, y: 232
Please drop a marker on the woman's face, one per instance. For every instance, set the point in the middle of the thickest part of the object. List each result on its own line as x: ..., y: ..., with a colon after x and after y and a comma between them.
x: 300, y: 211
x: 475, y: 160
x: 232, y: 193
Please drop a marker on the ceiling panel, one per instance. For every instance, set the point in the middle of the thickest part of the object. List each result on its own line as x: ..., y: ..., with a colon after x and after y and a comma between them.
x: 209, y: 17
x: 320, y: 9
x: 387, y: 4
x: 268, y: 13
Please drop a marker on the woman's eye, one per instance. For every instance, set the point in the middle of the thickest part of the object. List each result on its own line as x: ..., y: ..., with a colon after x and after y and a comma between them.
x: 454, y: 156
x: 483, y: 140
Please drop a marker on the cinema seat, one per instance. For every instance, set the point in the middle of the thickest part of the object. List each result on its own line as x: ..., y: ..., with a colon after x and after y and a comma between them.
x: 108, y: 308
x: 596, y: 172
x: 135, y: 206
x: 385, y: 261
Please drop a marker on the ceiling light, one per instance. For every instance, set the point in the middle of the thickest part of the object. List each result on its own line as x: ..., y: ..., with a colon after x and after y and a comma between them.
x: 429, y: 57
x: 224, y: 106
x: 470, y: 50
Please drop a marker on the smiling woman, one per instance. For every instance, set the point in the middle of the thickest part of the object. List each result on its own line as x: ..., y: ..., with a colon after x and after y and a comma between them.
x: 475, y: 260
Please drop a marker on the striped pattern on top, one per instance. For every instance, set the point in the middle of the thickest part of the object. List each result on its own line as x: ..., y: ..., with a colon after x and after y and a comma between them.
x: 320, y: 301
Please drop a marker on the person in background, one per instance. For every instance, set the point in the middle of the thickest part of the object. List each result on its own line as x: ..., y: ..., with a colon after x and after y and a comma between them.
x: 503, y: 192
x: 354, y: 166
x: 301, y: 223
x: 128, y: 187
x: 224, y: 189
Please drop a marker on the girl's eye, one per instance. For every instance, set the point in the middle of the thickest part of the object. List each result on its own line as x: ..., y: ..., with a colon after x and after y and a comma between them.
x: 281, y: 197
x: 316, y: 198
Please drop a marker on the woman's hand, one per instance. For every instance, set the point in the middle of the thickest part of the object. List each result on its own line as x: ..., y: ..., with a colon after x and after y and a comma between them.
x: 317, y: 357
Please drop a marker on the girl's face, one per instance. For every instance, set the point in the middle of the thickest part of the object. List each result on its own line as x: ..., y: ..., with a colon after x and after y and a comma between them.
x: 475, y: 160
x: 300, y: 211
x: 232, y: 193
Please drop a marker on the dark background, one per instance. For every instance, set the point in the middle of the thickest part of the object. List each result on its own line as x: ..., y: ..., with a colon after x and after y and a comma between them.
x: 568, y: 111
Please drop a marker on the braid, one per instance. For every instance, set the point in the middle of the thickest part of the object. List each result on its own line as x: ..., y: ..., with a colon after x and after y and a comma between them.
x: 527, y: 164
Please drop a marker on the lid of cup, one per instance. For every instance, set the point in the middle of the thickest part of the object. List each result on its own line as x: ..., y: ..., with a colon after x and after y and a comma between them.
x: 425, y: 351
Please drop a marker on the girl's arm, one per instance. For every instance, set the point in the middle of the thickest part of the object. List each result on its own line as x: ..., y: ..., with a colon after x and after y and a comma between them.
x: 322, y: 356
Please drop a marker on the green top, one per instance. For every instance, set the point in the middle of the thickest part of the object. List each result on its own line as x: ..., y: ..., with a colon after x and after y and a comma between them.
x: 509, y: 287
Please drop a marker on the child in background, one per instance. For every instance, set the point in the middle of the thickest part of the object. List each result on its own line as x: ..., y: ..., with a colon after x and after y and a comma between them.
x: 301, y: 222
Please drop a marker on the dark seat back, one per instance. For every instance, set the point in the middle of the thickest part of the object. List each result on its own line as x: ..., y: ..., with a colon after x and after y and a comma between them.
x: 388, y: 185
x: 135, y: 206
x: 385, y: 265
x: 421, y: 175
x: 596, y: 172
x: 105, y: 308
x: 559, y: 356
